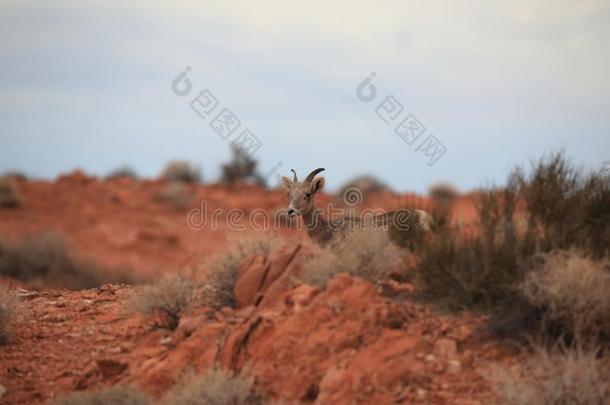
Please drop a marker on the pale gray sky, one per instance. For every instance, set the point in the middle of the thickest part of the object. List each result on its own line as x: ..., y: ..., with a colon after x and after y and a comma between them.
x: 497, y: 83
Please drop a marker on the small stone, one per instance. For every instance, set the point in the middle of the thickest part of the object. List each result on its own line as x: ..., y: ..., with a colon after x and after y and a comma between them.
x: 421, y: 393
x: 166, y: 340
x: 445, y: 347
x: 454, y: 366
x: 445, y: 386
x: 430, y: 358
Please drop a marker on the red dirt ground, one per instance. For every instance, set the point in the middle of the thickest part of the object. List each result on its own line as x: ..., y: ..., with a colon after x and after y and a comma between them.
x: 343, y: 345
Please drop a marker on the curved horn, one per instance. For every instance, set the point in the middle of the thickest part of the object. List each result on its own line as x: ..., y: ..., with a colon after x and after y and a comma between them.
x: 311, y: 175
x: 295, y: 175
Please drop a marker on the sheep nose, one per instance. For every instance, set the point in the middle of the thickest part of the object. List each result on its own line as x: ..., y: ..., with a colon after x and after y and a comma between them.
x: 291, y: 212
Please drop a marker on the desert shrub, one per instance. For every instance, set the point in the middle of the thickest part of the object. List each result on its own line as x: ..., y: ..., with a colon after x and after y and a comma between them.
x: 10, y: 309
x: 221, y: 274
x: 480, y: 271
x: 122, y: 172
x: 175, y: 194
x: 365, y: 254
x: 566, y: 207
x: 44, y: 261
x: 181, y: 171
x: 486, y: 270
x: 443, y: 196
x: 9, y: 195
x: 169, y: 297
x: 116, y: 395
x: 366, y: 184
x: 241, y: 168
x: 557, y: 378
x: 16, y: 175
x: 573, y: 291
x: 215, y: 387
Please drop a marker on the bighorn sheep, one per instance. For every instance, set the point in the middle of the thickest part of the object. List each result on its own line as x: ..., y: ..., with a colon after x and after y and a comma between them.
x: 301, y: 197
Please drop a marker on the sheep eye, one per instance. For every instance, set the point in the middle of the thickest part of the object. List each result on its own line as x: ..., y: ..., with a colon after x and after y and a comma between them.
x: 308, y: 195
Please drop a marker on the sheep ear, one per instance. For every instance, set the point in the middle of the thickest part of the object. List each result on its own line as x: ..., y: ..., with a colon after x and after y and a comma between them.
x: 317, y: 184
x: 287, y: 182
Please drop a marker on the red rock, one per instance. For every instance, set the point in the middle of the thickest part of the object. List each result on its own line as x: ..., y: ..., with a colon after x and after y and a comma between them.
x: 445, y: 347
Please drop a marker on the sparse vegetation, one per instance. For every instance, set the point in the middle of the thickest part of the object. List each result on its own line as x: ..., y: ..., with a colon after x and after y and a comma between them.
x: 10, y: 308
x: 557, y: 378
x: 116, y: 395
x: 169, y: 297
x: 486, y: 271
x: 443, y: 196
x: 176, y: 194
x: 122, y: 172
x: 368, y: 255
x: 216, y: 387
x: 241, y: 168
x: 573, y: 291
x: 181, y: 171
x: 43, y: 261
x: 222, y: 271
x: 9, y: 195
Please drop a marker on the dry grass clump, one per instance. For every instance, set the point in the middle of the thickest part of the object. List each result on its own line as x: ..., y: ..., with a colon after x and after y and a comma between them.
x: 169, y: 297
x: 215, y: 387
x: 554, y: 378
x: 44, y: 261
x: 10, y: 309
x: 573, y: 291
x: 365, y: 254
x: 116, y: 395
x: 241, y: 168
x: 9, y: 195
x: 176, y: 194
x: 181, y: 171
x: 121, y: 173
x: 221, y: 273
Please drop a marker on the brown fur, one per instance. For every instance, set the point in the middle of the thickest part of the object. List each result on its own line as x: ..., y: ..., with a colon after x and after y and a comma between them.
x: 301, y: 201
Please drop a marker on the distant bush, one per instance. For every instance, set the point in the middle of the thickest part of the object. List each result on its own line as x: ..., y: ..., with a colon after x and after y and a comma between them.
x: 116, y: 395
x: 170, y: 297
x: 368, y: 255
x: 574, y: 292
x: 443, y: 196
x: 181, y: 171
x: 241, y: 168
x: 15, y: 175
x: 216, y: 387
x: 366, y: 184
x: 10, y: 309
x: 222, y: 271
x: 175, y: 194
x: 9, y: 195
x: 44, y: 261
x: 574, y: 377
x: 122, y: 172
